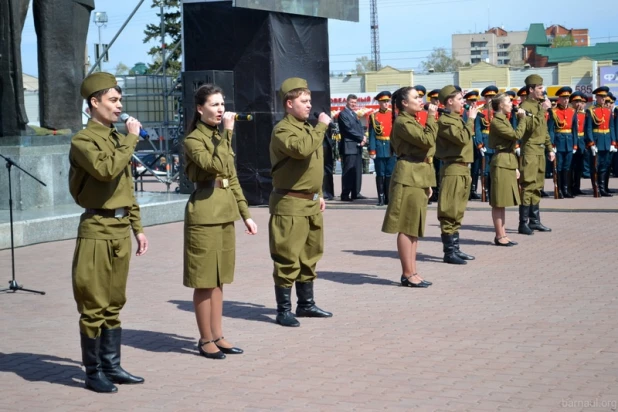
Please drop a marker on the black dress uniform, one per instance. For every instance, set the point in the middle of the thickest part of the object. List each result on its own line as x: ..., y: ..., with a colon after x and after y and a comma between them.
x: 471, y: 99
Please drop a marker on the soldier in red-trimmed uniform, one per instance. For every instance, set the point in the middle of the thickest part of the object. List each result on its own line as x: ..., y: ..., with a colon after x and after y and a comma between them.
x: 578, y: 101
x: 380, y: 125
x: 563, y: 138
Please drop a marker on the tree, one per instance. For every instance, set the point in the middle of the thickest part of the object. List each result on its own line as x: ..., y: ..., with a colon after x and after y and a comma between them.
x: 364, y: 64
x: 563, y: 41
x: 121, y: 69
x: 171, y: 17
x: 440, y: 61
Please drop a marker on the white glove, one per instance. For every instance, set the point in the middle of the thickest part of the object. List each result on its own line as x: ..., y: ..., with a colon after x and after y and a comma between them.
x: 612, y: 149
x: 482, y: 150
x: 518, y: 151
x: 594, y: 150
x: 574, y: 151
x: 372, y: 156
x: 554, y: 149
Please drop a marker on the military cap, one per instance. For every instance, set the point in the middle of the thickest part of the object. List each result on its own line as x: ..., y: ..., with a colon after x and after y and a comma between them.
x: 522, y: 92
x: 445, y: 92
x: 489, y: 91
x: 293, y: 83
x: 472, y: 95
x: 610, y: 97
x: 577, y: 97
x: 433, y: 94
x: 565, y: 91
x: 601, y: 91
x: 96, y: 82
x: 458, y: 88
x: 511, y: 94
x: 383, y: 96
x: 533, y: 79
x: 421, y: 90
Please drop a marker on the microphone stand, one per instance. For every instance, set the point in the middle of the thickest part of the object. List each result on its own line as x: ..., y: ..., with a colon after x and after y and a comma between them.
x: 13, y: 285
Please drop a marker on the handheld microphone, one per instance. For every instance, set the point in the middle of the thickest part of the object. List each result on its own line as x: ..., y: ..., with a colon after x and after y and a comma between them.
x: 243, y: 117
x: 333, y: 124
x: 479, y: 114
x: 515, y: 109
x: 440, y: 110
x: 142, y: 133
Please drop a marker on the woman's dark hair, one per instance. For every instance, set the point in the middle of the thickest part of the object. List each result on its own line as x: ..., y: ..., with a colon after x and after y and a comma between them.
x: 497, y: 100
x: 397, y: 99
x: 200, y: 97
x: 99, y: 94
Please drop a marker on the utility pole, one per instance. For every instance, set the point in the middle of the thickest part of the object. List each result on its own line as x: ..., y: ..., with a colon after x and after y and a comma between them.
x: 375, y: 35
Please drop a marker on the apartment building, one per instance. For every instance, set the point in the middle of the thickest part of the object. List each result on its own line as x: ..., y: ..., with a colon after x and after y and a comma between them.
x: 495, y: 46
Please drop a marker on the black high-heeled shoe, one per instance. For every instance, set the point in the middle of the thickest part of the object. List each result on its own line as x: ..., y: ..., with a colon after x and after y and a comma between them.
x: 408, y: 283
x: 214, y: 355
x: 497, y: 242
x: 512, y: 242
x: 229, y: 351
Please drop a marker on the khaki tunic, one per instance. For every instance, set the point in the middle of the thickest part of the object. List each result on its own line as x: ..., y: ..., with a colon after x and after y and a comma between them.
x: 100, y: 178
x: 209, y: 251
x: 455, y: 147
x: 535, y: 143
x: 295, y: 229
x: 503, y: 139
x: 413, y: 175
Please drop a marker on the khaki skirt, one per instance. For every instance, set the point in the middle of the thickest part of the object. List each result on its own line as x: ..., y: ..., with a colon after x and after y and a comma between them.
x: 504, y: 191
x: 209, y: 255
x: 407, y: 210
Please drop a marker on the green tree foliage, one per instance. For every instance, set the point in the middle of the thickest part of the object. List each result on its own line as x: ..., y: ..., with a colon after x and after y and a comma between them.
x: 364, y: 64
x: 171, y: 16
x: 563, y: 41
x: 441, y: 61
x: 121, y: 69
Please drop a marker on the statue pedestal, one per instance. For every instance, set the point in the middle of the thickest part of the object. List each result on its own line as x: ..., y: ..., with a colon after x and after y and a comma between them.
x: 47, y: 158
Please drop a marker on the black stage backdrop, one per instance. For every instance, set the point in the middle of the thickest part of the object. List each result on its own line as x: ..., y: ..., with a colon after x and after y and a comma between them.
x: 262, y: 49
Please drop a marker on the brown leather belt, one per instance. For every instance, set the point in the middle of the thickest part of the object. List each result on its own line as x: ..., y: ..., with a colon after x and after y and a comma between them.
x: 210, y: 184
x: 120, y: 212
x: 415, y: 159
x: 297, y: 193
x: 464, y: 164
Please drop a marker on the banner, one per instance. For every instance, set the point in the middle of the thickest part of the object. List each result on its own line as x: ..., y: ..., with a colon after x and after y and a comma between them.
x: 609, y: 77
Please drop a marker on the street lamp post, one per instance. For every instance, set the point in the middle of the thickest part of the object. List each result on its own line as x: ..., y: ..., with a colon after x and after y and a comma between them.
x: 100, y: 19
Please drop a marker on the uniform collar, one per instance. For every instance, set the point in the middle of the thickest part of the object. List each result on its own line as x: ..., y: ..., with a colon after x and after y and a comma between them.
x: 100, y: 129
x: 500, y: 115
x: 294, y: 121
x: 207, y: 129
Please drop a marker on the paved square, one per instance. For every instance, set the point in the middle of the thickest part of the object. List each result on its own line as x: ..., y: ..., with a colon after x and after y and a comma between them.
x: 532, y: 327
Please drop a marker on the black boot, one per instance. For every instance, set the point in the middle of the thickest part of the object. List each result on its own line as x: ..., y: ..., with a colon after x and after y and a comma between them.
x: 606, y: 185
x: 544, y: 193
x: 434, y: 194
x: 524, y: 214
x: 458, y: 252
x: 473, y: 194
x: 535, y: 219
x: 387, y: 189
x: 95, y: 379
x: 449, y: 251
x: 284, y: 307
x: 110, y: 358
x: 603, y: 180
x: 487, y: 188
x: 559, y: 183
x: 380, y: 187
x: 566, y: 184
x: 576, y: 184
x: 306, y: 307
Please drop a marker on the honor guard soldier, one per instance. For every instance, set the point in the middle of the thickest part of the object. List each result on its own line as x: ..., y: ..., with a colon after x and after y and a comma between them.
x: 455, y: 147
x: 100, y: 181
x: 471, y: 99
x: 380, y: 125
x: 481, y: 131
x: 599, y: 137
x: 578, y: 101
x: 422, y: 115
x: 563, y: 137
x: 511, y: 116
x: 295, y: 229
x: 433, y: 97
x: 534, y: 145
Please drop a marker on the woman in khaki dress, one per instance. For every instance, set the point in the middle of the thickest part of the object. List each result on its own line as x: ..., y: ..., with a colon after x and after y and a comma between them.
x: 412, y: 179
x: 210, y: 244
x: 504, y: 166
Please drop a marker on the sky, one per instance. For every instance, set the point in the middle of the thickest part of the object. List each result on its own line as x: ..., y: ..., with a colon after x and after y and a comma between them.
x: 408, y: 29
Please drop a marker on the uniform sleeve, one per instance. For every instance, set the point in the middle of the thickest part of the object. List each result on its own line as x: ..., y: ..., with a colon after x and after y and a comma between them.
x: 455, y: 133
x: 478, y: 138
x: 206, y: 158
x: 135, y: 218
x: 574, y: 130
x: 551, y: 127
x: 243, y: 205
x: 504, y: 129
x: 102, y: 166
x: 298, y: 145
x: 372, y: 135
x: 588, y: 138
x: 412, y: 133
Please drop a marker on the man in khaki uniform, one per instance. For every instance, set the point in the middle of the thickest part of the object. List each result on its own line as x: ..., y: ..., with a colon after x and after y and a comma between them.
x: 100, y: 181
x: 535, y: 143
x: 295, y: 229
x: 455, y: 147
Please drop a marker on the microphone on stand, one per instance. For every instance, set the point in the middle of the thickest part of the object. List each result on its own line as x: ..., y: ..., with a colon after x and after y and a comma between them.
x: 142, y: 133
x: 243, y: 117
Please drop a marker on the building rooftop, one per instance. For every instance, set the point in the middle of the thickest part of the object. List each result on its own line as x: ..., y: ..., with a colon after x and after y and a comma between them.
x: 600, y: 51
x: 536, y: 35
